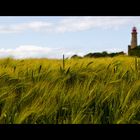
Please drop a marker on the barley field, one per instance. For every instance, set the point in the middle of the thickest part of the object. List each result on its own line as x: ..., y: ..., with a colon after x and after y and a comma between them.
x: 76, y: 91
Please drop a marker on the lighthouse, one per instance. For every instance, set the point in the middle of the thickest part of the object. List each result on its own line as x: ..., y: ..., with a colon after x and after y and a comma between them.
x: 134, y: 38
x: 134, y: 48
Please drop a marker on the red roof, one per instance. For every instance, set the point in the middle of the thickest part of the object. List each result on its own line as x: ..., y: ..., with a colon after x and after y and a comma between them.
x: 134, y: 30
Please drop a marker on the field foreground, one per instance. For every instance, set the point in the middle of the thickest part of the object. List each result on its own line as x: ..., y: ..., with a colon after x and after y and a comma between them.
x: 85, y: 91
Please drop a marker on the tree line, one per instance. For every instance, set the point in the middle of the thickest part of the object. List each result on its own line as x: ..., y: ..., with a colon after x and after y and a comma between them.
x: 99, y: 54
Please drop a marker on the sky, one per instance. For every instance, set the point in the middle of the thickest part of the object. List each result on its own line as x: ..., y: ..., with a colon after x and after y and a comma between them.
x: 53, y: 36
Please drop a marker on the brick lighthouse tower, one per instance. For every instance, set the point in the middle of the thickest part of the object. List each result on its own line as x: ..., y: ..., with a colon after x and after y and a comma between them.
x: 134, y: 38
x: 134, y: 49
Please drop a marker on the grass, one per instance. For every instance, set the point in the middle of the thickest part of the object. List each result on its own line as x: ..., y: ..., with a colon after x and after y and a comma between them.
x: 85, y: 91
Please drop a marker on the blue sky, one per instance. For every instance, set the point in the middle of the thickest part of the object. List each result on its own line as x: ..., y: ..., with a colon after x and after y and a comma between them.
x: 53, y: 36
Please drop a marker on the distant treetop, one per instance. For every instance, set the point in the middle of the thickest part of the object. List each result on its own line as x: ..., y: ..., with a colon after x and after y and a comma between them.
x: 99, y: 54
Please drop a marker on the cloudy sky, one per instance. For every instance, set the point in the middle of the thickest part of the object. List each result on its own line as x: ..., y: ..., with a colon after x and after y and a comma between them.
x: 53, y: 36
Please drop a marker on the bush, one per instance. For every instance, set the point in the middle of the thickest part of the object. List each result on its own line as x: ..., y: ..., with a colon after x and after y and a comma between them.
x: 104, y: 54
x: 134, y: 52
x: 76, y: 56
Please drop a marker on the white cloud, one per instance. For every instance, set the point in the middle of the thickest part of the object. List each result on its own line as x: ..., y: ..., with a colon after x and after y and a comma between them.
x: 110, y: 50
x: 71, y: 24
x: 25, y: 51
x: 32, y: 51
x: 85, y: 23
x: 34, y: 26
